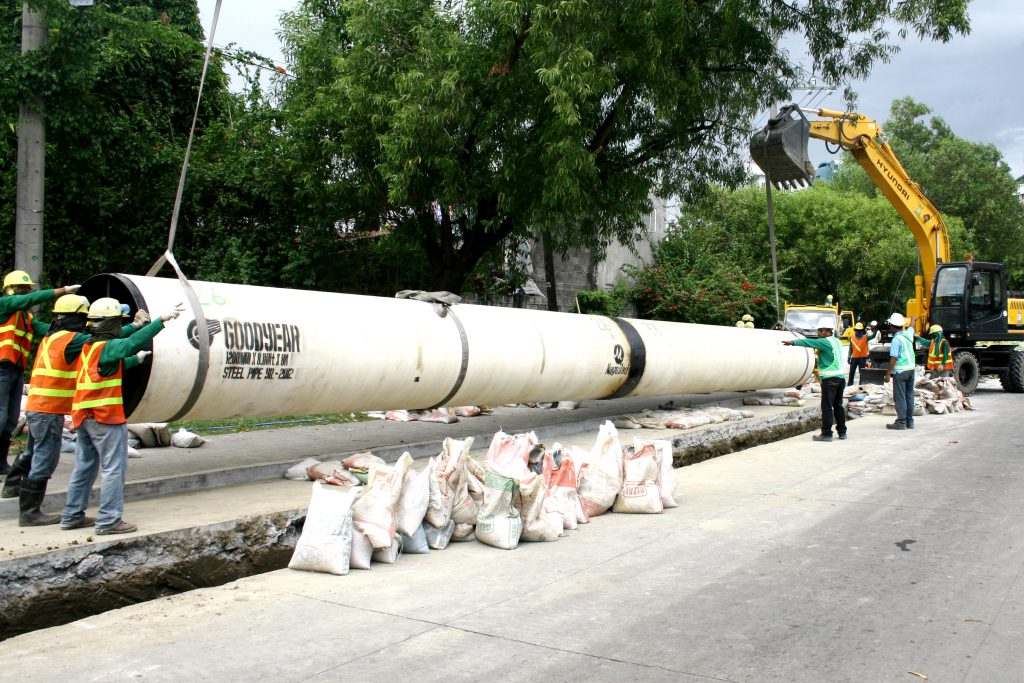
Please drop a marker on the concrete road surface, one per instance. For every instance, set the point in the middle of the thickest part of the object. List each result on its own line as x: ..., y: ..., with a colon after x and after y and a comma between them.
x: 887, y: 557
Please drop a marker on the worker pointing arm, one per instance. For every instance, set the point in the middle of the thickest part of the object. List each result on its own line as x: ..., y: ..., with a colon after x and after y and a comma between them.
x: 830, y: 370
x: 98, y: 413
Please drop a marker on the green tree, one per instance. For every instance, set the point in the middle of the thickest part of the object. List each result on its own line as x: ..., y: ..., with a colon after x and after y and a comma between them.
x: 461, y: 125
x: 703, y: 272
x: 118, y: 82
x: 829, y: 241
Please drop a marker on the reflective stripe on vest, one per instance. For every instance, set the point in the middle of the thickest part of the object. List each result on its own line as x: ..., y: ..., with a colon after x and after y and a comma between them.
x: 835, y: 368
x: 859, y: 346
x: 940, y: 358
x: 16, y: 338
x: 52, y: 387
x: 906, y: 360
x: 95, y: 396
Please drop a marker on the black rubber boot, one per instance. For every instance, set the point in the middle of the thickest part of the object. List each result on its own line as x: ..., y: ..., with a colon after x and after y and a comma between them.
x: 5, y: 445
x: 20, y: 469
x: 31, y: 499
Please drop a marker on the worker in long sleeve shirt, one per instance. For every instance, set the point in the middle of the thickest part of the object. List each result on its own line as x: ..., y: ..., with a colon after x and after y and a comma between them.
x: 18, y: 328
x: 97, y: 412
x: 50, y: 394
x: 830, y: 371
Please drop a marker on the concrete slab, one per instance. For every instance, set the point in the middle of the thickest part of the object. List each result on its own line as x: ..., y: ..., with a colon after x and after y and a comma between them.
x: 793, y: 561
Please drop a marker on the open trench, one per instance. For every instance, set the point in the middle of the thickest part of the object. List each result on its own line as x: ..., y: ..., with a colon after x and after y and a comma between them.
x: 67, y: 584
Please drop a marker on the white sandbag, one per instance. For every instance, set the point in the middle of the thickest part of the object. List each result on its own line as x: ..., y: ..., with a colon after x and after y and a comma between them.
x: 415, y: 544
x: 325, y: 544
x: 561, y: 483
x: 186, y: 439
x: 374, y: 512
x: 389, y: 555
x: 298, y: 472
x: 413, y: 501
x: 144, y: 433
x: 499, y: 523
x: 667, y: 480
x: 446, y: 470
x: 602, y: 479
x: 362, y: 550
x: 540, y: 523
x: 438, y: 539
x: 132, y: 453
x: 640, y: 493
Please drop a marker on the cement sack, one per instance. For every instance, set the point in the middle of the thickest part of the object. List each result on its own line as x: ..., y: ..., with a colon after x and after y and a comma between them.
x: 540, y: 522
x: 186, y: 439
x: 413, y: 501
x: 374, y: 512
x: 362, y: 461
x: 132, y: 453
x: 510, y: 455
x: 688, y: 419
x: 362, y: 550
x: 561, y: 485
x: 442, y: 416
x: 464, y: 507
x: 389, y: 555
x: 463, y: 533
x: 325, y: 544
x: 438, y: 539
x: 667, y: 480
x: 602, y: 480
x: 499, y: 523
x: 298, y: 472
x: 446, y: 469
x: 727, y: 414
x: 640, y: 493
x: 466, y: 411
x: 415, y: 544
x: 476, y: 481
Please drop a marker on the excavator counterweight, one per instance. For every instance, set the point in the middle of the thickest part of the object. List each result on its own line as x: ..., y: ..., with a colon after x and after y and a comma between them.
x: 780, y: 149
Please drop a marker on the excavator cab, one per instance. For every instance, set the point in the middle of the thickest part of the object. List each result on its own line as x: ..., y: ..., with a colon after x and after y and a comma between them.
x: 780, y: 150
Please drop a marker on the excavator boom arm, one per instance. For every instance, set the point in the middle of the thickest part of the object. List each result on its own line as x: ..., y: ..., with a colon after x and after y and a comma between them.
x: 780, y: 150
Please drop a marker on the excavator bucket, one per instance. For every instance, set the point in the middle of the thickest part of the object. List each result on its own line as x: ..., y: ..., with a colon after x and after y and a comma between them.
x: 780, y: 150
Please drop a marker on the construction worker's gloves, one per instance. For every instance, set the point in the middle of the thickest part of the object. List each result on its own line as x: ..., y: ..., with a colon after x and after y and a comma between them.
x: 178, y: 309
x: 143, y: 355
x: 141, y: 319
x: 71, y: 289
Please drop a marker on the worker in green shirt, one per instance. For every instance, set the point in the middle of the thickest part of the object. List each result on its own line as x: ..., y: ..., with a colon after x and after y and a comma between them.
x: 832, y: 375
x: 18, y: 329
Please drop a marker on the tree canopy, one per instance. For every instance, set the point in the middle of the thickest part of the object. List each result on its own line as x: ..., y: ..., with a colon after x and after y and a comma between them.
x: 461, y: 125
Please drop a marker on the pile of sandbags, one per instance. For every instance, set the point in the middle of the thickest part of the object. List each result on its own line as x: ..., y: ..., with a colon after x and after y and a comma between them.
x: 686, y: 418
x: 521, y: 492
x: 936, y: 396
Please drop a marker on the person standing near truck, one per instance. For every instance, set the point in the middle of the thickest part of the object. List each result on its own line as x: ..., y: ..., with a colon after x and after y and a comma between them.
x: 902, y: 362
x: 830, y: 371
x: 858, y: 352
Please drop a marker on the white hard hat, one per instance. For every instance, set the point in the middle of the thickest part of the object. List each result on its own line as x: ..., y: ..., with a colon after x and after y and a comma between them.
x: 826, y: 323
x: 897, y: 319
x: 874, y: 323
x: 105, y: 307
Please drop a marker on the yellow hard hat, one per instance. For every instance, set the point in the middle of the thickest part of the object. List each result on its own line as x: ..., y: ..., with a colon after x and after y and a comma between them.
x: 71, y: 303
x: 749, y: 323
x: 747, y: 317
x: 105, y: 307
x: 859, y: 326
x: 17, y: 277
x: 934, y: 328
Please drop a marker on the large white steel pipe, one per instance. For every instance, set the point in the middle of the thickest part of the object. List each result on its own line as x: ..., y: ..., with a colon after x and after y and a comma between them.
x: 290, y: 352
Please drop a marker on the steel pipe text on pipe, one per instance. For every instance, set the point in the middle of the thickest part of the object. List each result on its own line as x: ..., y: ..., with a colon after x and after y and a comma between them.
x: 291, y: 352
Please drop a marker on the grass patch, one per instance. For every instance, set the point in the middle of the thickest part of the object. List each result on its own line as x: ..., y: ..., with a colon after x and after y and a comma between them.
x: 250, y: 424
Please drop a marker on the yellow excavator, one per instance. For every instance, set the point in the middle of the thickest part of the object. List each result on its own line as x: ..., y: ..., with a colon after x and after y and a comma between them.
x: 969, y: 299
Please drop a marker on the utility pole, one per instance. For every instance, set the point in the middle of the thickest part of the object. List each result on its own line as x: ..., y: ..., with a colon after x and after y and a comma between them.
x: 28, y: 228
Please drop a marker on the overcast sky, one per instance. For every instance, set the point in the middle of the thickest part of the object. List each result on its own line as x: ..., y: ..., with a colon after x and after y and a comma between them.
x: 975, y: 83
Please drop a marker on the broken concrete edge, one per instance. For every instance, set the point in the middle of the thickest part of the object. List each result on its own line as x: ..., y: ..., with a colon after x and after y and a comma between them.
x: 60, y: 586
x: 267, y: 471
